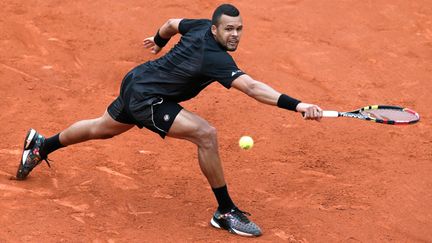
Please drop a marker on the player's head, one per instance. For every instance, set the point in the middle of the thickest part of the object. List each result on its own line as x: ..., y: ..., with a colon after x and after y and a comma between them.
x: 227, y: 26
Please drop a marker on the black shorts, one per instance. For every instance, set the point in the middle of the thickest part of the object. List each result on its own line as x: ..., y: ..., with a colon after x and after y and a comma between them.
x: 152, y: 112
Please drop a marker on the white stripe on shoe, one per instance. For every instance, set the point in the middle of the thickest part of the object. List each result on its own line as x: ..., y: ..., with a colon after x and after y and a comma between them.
x: 241, y: 233
x: 214, y: 223
x: 24, y: 156
x: 30, y: 138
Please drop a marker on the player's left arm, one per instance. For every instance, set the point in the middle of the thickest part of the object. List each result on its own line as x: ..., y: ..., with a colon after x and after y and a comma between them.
x: 267, y: 95
x: 162, y: 36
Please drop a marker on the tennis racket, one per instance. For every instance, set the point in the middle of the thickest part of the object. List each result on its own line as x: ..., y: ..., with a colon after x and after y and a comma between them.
x: 386, y: 114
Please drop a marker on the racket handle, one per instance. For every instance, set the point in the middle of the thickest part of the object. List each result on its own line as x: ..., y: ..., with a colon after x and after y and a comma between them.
x: 327, y: 114
x: 330, y: 114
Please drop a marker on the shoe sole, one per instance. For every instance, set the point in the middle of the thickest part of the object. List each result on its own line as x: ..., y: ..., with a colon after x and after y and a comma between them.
x: 231, y: 230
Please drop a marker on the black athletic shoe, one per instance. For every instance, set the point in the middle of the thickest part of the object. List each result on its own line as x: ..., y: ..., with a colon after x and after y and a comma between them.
x: 31, y: 154
x: 235, y: 222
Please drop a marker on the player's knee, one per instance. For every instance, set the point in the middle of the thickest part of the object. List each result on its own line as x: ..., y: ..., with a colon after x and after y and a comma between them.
x: 106, y: 135
x: 207, y: 136
x: 99, y: 131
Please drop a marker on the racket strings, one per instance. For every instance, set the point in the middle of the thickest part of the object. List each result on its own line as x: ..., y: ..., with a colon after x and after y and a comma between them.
x: 391, y: 115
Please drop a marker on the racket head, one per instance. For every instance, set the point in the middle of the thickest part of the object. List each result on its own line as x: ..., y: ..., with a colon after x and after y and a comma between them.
x: 387, y: 114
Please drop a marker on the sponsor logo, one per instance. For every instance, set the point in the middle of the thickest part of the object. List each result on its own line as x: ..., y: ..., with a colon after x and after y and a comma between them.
x: 354, y: 115
x: 166, y: 117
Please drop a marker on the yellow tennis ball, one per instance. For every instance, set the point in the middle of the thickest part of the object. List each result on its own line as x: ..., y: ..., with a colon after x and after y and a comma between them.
x: 246, y: 142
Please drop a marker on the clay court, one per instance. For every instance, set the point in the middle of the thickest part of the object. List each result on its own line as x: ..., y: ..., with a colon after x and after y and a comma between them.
x: 338, y: 180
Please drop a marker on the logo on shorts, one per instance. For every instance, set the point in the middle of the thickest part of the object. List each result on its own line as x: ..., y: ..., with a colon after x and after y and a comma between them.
x: 166, y: 117
x: 234, y: 73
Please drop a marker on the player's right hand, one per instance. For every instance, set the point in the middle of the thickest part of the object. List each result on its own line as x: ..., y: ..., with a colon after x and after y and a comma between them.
x: 309, y: 111
x: 150, y: 44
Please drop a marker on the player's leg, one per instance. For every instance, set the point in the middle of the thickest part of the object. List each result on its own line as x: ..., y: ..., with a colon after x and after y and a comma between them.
x: 193, y: 128
x: 36, y: 147
x: 198, y: 131
x: 100, y: 128
x: 169, y: 118
x: 114, y: 121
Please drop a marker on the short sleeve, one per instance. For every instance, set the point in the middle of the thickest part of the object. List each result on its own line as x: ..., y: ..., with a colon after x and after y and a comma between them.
x: 187, y: 24
x: 220, y: 66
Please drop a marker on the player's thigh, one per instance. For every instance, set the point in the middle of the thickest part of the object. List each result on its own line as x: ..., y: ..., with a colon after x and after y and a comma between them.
x: 190, y: 126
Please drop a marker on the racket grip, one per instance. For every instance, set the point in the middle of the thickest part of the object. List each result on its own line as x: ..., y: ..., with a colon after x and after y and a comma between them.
x: 330, y: 114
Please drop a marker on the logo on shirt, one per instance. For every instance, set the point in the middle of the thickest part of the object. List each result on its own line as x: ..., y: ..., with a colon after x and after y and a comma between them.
x: 234, y: 73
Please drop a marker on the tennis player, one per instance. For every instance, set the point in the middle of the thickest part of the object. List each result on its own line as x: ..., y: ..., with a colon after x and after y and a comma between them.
x: 150, y: 94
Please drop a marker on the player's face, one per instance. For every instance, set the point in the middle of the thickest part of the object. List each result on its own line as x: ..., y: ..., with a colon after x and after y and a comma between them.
x: 228, y: 32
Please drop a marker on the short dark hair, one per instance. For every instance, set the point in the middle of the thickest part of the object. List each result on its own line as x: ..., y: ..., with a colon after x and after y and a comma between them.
x: 226, y: 9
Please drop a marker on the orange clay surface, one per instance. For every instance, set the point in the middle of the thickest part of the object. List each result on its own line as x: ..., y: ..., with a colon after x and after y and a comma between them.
x: 338, y: 180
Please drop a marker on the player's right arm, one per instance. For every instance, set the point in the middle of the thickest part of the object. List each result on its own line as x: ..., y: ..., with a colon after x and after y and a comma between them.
x: 267, y: 95
x: 166, y: 31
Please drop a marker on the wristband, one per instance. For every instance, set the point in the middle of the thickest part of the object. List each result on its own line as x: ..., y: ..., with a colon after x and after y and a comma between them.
x: 287, y: 102
x: 159, y: 41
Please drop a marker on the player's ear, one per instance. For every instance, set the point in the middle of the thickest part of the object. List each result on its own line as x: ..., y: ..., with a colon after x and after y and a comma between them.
x: 213, y: 29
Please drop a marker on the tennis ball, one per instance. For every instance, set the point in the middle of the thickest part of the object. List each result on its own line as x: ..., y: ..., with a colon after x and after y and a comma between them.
x: 246, y: 142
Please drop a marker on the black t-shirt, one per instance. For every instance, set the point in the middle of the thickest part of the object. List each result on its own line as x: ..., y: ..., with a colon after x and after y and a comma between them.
x: 191, y: 65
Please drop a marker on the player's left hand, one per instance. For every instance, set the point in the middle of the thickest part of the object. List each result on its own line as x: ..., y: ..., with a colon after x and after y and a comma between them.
x: 310, y: 111
x: 150, y: 44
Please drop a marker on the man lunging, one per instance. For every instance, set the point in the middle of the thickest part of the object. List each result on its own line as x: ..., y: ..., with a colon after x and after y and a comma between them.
x: 150, y: 95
